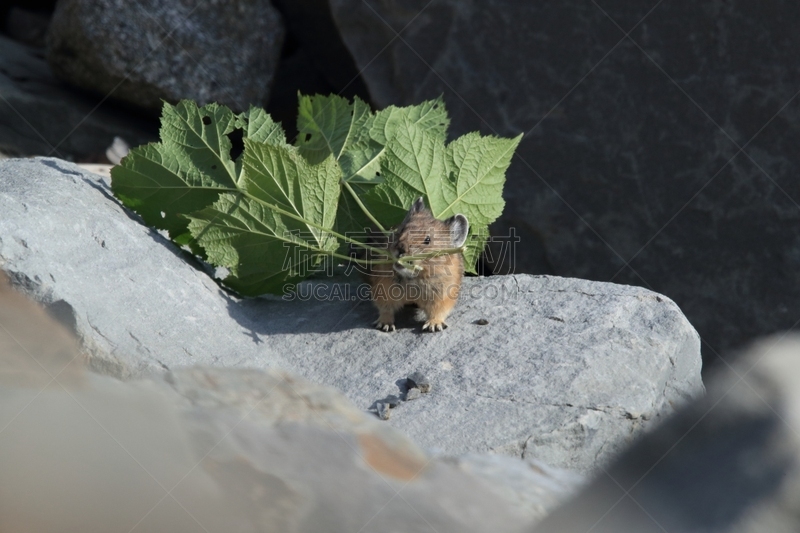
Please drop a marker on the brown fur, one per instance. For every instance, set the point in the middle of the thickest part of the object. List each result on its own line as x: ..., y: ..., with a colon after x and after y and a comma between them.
x: 434, y: 285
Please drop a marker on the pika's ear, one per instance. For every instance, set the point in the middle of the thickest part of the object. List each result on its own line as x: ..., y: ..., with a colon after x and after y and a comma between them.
x: 417, y: 207
x: 459, y: 227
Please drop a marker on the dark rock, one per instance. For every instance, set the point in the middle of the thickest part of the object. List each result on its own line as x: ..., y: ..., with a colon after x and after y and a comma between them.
x: 311, y: 25
x: 143, y: 52
x: 630, y: 170
x: 27, y: 26
x: 39, y: 116
x: 481, y: 322
x: 729, y: 463
x: 295, y: 74
x: 418, y: 380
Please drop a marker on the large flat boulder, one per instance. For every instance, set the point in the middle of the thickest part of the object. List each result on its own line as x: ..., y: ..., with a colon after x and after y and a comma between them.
x: 566, y: 371
x: 630, y: 169
x: 217, y: 449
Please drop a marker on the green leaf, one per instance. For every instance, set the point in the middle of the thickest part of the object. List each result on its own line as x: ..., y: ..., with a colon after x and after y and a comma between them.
x: 201, y: 135
x: 273, y: 232
x: 466, y: 176
x: 361, y: 163
x: 258, y: 126
x: 330, y: 125
x: 190, y: 167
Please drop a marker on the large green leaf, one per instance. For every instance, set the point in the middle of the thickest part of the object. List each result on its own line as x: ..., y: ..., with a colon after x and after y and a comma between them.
x: 357, y: 138
x: 273, y: 232
x: 330, y: 125
x: 191, y: 166
x: 466, y: 176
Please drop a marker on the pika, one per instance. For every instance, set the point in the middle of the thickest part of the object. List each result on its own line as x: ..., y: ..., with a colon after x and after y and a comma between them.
x: 432, y: 284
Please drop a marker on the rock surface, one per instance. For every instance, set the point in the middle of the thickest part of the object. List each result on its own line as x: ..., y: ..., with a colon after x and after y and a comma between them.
x: 143, y: 52
x: 730, y: 463
x: 38, y: 115
x: 631, y: 151
x: 567, y: 371
x: 220, y: 450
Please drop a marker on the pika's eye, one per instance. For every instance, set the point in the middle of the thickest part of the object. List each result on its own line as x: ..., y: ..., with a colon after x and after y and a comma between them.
x: 427, y: 240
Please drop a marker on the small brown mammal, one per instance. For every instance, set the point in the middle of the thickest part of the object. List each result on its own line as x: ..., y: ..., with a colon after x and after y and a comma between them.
x: 433, y: 284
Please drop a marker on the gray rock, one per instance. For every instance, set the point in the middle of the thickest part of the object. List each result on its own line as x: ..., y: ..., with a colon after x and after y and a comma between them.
x: 143, y: 52
x: 531, y: 487
x: 209, y: 449
x: 569, y: 392
x: 412, y: 394
x: 629, y: 142
x: 39, y: 116
x: 729, y: 463
x: 383, y: 410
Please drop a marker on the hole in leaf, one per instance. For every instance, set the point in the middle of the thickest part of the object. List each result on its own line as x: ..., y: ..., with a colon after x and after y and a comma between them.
x: 308, y: 137
x: 206, y: 120
x: 237, y: 142
x: 377, y: 173
x: 213, y: 167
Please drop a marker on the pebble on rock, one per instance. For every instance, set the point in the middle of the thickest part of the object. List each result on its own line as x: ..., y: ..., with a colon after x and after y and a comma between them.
x: 383, y: 411
x: 412, y: 394
x: 419, y: 381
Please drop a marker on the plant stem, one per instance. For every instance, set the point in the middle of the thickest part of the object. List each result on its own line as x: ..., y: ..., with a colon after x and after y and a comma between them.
x: 362, y: 206
x: 409, y: 258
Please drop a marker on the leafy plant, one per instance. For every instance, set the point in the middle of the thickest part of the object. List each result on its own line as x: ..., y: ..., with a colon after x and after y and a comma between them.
x: 231, y: 188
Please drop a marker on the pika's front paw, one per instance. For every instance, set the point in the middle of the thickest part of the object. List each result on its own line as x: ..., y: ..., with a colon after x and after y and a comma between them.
x: 384, y: 326
x: 433, y: 325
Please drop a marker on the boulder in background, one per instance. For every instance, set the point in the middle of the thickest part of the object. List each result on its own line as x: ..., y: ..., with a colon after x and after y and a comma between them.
x: 143, y: 52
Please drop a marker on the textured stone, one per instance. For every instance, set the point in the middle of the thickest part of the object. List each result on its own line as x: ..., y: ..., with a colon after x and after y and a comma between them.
x: 383, y: 410
x: 143, y: 52
x: 730, y: 463
x: 419, y: 381
x: 39, y: 116
x: 532, y: 487
x: 216, y: 450
x: 567, y: 371
x: 413, y: 394
x: 630, y: 152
